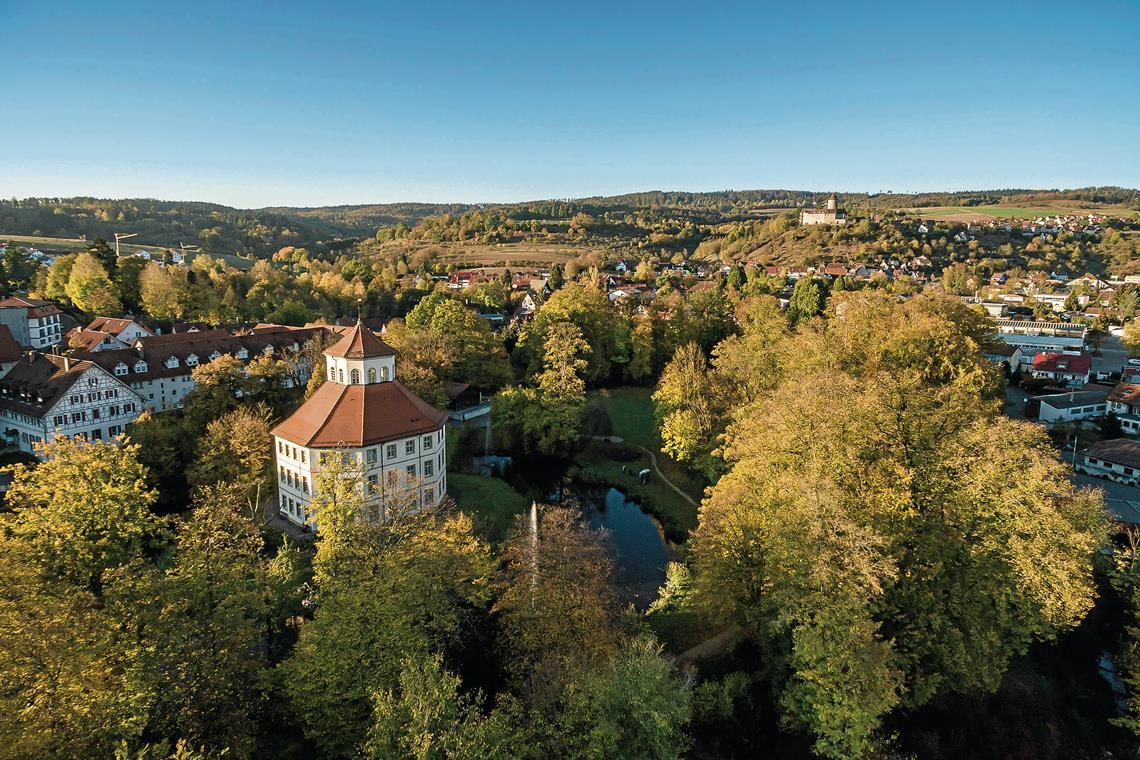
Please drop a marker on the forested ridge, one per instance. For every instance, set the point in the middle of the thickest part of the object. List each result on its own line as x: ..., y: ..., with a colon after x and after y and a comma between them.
x: 647, y: 221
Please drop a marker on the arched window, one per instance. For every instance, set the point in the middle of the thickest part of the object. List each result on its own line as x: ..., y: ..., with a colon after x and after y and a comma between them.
x: 332, y: 375
x: 354, y: 377
x: 383, y: 373
x: 371, y: 374
x: 340, y: 376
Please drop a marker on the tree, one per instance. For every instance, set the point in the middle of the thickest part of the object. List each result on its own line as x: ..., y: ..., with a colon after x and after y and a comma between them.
x: 806, y: 300
x: 58, y: 276
x: 126, y: 277
x: 590, y: 311
x: 687, y: 408
x: 89, y: 287
x: 1131, y: 337
x: 557, y: 608
x: 641, y: 365
x: 162, y: 291
x: 631, y: 707
x: 100, y: 249
x: 200, y: 623
x: 83, y: 510
x: 236, y: 449
x: 428, y: 717
x: 547, y: 417
x: 386, y: 591
x: 881, y: 532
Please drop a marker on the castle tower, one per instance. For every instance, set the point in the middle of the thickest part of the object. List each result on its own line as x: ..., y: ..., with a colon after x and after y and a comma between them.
x: 832, y: 202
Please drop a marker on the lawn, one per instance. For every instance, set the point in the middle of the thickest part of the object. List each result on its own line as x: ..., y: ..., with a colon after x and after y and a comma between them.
x: 491, y: 502
x: 630, y: 411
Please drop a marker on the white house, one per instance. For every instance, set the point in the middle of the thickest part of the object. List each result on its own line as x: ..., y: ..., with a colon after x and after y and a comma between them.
x: 1072, y: 406
x: 34, y: 323
x: 1116, y: 459
x: 1064, y: 369
x: 126, y: 330
x: 43, y: 396
x: 364, y: 416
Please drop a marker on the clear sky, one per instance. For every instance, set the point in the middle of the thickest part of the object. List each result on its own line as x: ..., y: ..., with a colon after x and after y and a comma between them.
x: 318, y: 103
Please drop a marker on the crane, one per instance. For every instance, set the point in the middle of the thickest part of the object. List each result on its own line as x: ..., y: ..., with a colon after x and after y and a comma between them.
x: 122, y: 236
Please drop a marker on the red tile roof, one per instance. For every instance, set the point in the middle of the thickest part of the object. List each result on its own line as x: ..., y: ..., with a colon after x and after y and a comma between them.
x: 359, y: 343
x: 359, y: 415
x: 1051, y: 362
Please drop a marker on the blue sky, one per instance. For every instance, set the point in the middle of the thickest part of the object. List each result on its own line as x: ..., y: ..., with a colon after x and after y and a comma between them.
x: 255, y: 104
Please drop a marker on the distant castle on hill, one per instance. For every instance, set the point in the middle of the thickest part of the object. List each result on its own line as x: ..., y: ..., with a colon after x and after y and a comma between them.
x: 832, y: 214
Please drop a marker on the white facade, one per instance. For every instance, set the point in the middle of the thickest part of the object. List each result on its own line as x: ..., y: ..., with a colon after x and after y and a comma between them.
x: 387, y: 469
x: 44, y: 331
x: 408, y: 469
x: 96, y: 407
x: 1065, y: 407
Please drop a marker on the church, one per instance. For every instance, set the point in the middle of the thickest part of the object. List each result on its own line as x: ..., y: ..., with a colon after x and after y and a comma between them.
x: 365, y: 416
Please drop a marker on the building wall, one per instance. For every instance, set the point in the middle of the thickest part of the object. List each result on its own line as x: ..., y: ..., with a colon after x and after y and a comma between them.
x: 1089, y: 411
x: 45, y: 332
x: 97, y: 407
x: 16, y: 319
x: 383, y: 465
x: 1103, y: 469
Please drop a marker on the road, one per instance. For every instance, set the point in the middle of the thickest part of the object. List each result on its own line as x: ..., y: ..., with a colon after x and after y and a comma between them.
x: 1112, y: 355
x: 1123, y: 501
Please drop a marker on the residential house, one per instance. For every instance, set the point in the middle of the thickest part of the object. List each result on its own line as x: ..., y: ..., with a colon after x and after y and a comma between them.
x: 1063, y: 369
x: 126, y: 330
x: 10, y: 351
x: 33, y: 323
x: 160, y: 368
x: 1071, y: 406
x: 43, y: 396
x: 1116, y: 459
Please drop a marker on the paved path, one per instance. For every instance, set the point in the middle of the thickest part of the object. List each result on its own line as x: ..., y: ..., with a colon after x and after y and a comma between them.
x: 653, y: 461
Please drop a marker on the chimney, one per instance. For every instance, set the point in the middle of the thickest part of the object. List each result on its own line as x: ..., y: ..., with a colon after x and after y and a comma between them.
x: 66, y: 364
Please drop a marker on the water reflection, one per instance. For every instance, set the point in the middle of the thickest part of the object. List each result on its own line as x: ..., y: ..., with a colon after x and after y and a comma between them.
x: 639, y: 545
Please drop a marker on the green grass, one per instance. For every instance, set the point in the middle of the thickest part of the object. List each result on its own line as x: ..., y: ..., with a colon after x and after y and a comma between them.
x: 491, y: 502
x: 630, y: 411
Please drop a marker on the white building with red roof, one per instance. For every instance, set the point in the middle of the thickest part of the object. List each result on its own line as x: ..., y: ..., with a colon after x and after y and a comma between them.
x: 1064, y: 369
x: 369, y: 420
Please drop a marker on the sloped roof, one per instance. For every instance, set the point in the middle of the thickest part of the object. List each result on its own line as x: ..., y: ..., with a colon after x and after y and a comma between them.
x: 89, y: 340
x: 359, y: 343
x: 10, y: 350
x: 1120, y: 451
x: 115, y: 326
x: 34, y: 384
x: 1049, y: 362
x: 359, y: 415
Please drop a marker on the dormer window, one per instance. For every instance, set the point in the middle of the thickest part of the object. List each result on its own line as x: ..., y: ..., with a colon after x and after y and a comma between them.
x: 192, y: 360
x: 140, y: 367
x: 121, y: 369
x: 242, y: 353
x: 268, y: 350
x: 172, y: 362
x: 214, y: 355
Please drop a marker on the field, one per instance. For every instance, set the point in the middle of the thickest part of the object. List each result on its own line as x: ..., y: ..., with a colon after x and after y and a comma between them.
x: 70, y: 245
x: 511, y: 255
x: 630, y: 411
x: 986, y: 213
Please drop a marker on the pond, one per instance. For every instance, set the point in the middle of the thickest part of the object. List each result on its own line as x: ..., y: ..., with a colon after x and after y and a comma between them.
x: 640, y: 549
